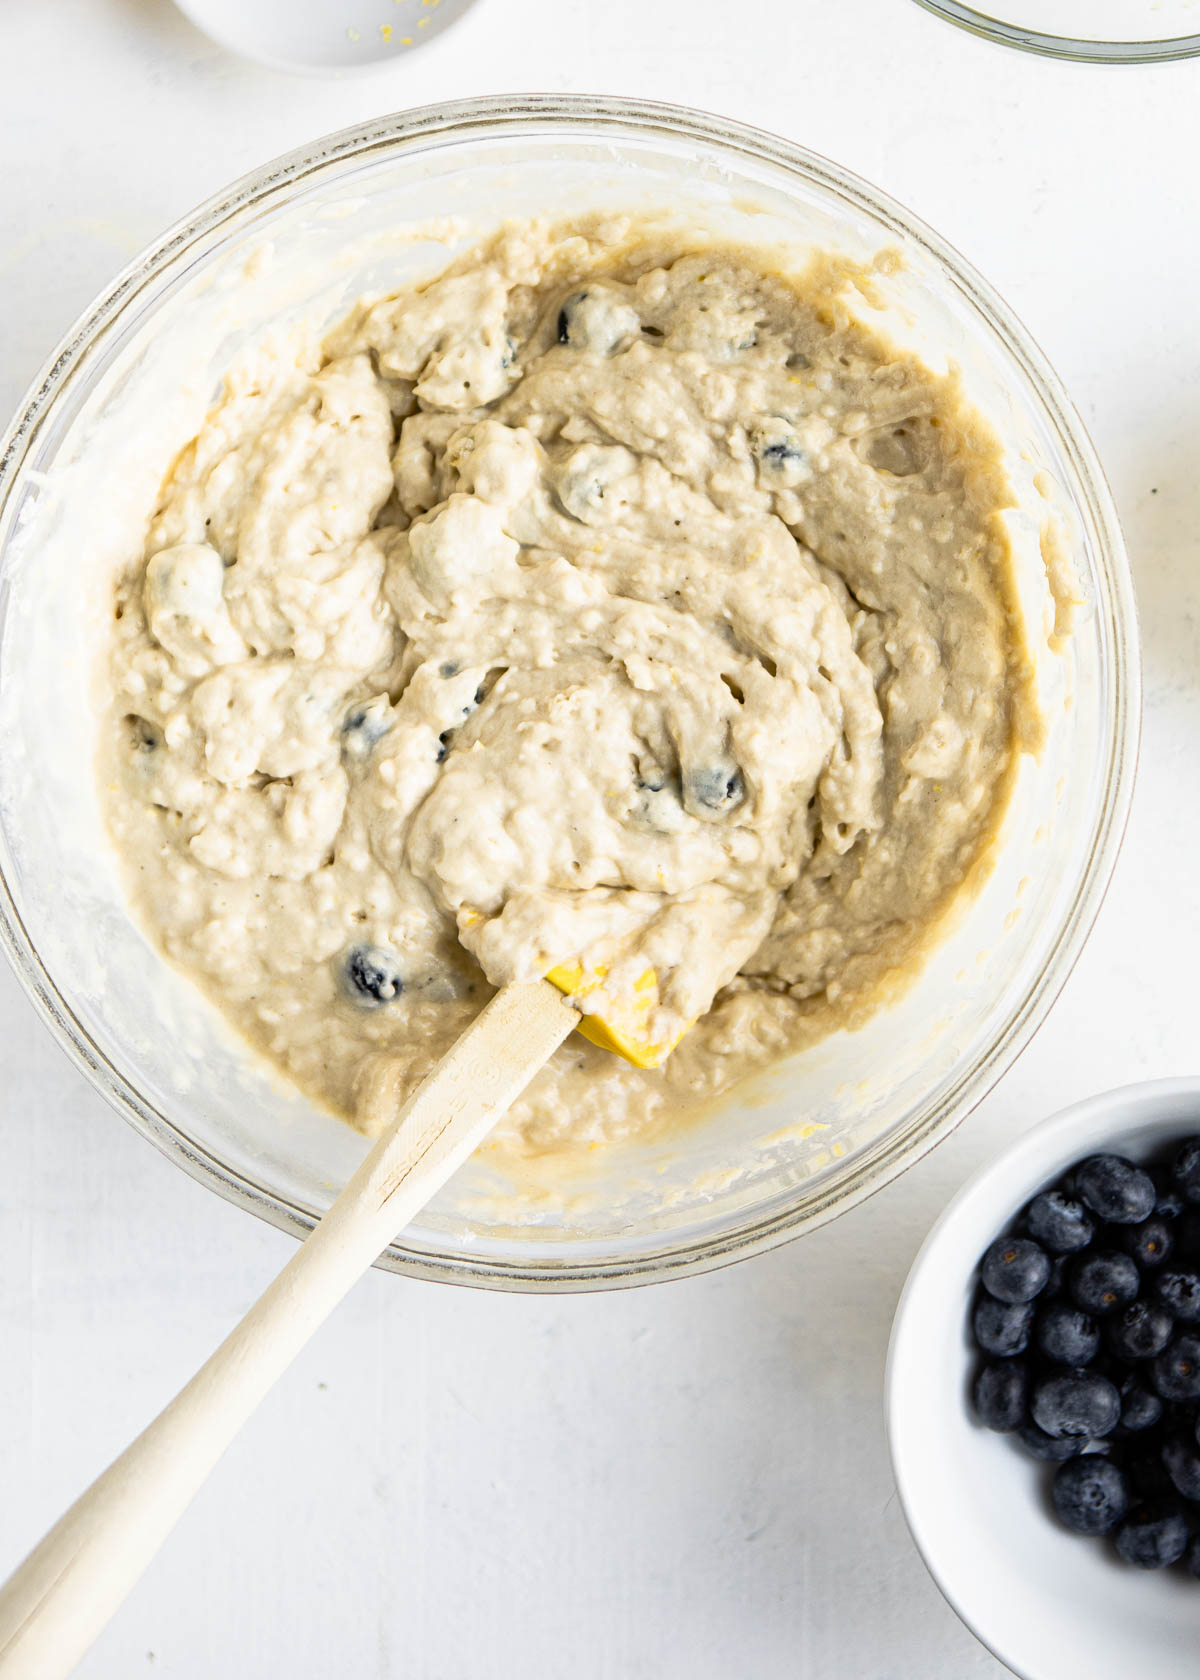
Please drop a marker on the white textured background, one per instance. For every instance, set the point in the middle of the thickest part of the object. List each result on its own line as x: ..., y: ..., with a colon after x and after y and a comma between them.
x: 688, y: 1482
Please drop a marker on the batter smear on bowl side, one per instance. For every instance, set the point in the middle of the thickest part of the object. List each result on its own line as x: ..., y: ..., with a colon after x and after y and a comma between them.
x: 608, y: 598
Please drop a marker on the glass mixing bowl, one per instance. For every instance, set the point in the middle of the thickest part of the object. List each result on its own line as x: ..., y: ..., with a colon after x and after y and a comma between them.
x: 302, y: 238
x: 1097, y: 31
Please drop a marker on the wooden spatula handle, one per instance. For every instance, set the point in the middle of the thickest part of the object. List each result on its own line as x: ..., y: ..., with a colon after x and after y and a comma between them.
x: 56, y: 1603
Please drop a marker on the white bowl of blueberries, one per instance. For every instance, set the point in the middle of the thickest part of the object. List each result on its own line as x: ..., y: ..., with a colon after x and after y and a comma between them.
x: 1043, y: 1393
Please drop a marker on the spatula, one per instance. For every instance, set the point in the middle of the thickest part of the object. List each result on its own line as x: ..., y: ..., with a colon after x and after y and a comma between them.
x: 60, y: 1598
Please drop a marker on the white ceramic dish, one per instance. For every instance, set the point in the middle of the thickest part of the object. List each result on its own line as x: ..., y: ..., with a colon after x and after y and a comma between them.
x: 324, y: 37
x: 1050, y: 1605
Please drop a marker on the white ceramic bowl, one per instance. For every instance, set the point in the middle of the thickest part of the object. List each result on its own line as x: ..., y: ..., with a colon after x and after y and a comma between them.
x: 1049, y: 1604
x: 324, y: 37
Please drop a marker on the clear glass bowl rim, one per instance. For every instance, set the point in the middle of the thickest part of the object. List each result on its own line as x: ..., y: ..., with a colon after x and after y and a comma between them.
x: 1149, y: 51
x: 477, y: 117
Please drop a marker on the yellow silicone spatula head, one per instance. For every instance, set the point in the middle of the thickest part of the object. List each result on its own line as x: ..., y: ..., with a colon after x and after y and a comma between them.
x: 619, y: 1013
x: 615, y: 1018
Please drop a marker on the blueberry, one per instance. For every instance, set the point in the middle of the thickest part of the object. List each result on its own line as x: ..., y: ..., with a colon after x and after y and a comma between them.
x: 1193, y: 1559
x: 1115, y: 1189
x: 779, y: 453
x: 1058, y: 1277
x: 1179, y: 1293
x: 1066, y: 1335
x: 1001, y: 1393
x: 598, y: 320
x: 1182, y: 1463
x: 372, y: 976
x: 1002, y: 1327
x: 1089, y: 1494
x: 1187, y: 1236
x: 364, y: 726
x: 1177, y: 1369
x: 717, y: 789
x: 1139, y: 1408
x: 1170, y: 1203
x: 1015, y: 1269
x: 1058, y: 1222
x: 1147, y: 1474
x: 1076, y: 1403
x: 783, y: 461
x: 1050, y: 1449
x: 1100, y: 1283
x: 1147, y: 1245
x: 1185, y: 1170
x: 1153, y: 1536
x: 1139, y: 1331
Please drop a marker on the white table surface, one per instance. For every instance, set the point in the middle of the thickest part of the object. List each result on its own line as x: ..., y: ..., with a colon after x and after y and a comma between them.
x: 688, y: 1482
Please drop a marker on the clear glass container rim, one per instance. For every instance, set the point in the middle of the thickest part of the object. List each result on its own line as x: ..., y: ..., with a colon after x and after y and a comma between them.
x: 1162, y: 50
x: 638, y: 119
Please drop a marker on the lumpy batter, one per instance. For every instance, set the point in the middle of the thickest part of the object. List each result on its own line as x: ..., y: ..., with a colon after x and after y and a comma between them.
x: 602, y: 597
